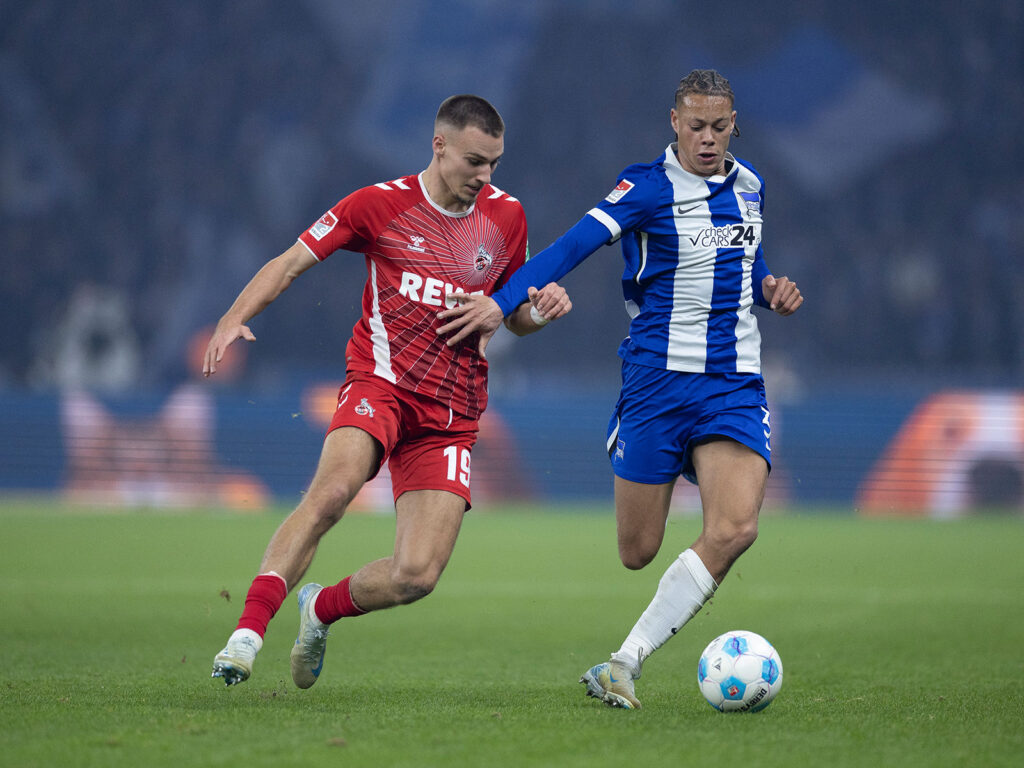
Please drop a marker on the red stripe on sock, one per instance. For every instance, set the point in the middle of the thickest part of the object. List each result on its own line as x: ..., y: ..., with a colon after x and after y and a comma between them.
x: 336, y: 602
x: 261, y: 603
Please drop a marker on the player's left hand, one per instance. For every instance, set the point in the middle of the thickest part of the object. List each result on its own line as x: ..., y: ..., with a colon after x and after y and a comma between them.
x: 472, y: 313
x: 781, y: 294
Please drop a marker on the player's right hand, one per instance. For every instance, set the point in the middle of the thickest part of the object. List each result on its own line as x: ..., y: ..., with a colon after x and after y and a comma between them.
x: 471, y: 313
x: 219, y: 342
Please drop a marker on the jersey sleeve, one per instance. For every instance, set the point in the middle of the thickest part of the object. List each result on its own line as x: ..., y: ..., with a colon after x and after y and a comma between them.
x: 630, y: 204
x: 758, y: 273
x: 518, y: 246
x: 345, y: 226
x: 760, y: 270
x: 553, y: 263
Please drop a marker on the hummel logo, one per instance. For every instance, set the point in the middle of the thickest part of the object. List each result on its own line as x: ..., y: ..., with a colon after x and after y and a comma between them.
x: 417, y: 243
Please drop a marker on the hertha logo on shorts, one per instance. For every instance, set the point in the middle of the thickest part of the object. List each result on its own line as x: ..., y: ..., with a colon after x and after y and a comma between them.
x: 483, y: 259
x: 364, y: 408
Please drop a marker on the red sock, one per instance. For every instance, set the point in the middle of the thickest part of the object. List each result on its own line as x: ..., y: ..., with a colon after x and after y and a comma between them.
x: 336, y: 602
x: 265, y: 596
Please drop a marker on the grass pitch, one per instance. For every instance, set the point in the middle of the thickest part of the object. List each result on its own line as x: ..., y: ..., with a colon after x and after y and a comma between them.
x: 902, y: 643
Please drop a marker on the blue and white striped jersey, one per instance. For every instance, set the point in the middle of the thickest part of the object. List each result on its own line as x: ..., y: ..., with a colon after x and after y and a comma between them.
x: 693, y: 264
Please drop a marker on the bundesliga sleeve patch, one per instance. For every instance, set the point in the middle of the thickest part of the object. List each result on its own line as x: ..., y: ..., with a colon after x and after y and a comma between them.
x: 326, y: 223
x: 620, y: 189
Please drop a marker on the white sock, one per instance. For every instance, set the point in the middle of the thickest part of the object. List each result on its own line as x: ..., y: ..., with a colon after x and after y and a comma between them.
x: 247, y: 634
x: 683, y: 589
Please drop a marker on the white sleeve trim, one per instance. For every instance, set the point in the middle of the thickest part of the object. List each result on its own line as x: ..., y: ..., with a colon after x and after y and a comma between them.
x: 309, y: 249
x: 608, y: 221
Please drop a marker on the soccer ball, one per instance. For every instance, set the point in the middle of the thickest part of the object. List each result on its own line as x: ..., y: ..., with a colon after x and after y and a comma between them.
x: 739, y: 671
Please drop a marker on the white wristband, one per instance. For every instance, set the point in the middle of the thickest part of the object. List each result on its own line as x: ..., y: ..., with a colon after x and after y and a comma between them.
x: 537, y: 317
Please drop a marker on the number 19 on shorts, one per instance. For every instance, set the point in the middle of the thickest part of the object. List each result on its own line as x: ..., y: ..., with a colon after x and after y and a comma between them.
x: 458, y: 462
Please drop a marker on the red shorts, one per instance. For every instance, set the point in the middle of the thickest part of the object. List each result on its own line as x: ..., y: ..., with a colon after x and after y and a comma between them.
x: 426, y: 444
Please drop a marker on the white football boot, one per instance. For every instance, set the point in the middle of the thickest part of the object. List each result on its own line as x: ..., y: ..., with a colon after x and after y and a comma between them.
x: 234, y: 663
x: 308, y: 652
x: 612, y: 683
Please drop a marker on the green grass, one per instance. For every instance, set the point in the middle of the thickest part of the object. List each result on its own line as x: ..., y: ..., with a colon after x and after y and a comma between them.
x: 902, y: 641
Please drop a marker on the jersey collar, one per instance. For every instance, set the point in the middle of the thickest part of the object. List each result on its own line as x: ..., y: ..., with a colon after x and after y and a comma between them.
x: 438, y: 208
x: 672, y: 159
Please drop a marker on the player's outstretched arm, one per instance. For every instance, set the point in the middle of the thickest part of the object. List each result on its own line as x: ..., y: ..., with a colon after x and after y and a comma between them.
x: 782, y: 294
x: 266, y: 285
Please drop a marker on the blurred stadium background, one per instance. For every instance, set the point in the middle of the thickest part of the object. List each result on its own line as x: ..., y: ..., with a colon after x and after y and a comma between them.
x: 154, y: 155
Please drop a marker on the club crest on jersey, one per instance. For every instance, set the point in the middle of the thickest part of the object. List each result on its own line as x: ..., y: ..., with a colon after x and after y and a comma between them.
x: 620, y: 189
x: 364, y: 408
x: 325, y: 224
x: 417, y: 243
x: 752, y: 201
x: 483, y: 259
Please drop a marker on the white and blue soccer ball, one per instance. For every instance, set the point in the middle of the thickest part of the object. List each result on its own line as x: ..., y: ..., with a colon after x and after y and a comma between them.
x: 739, y: 671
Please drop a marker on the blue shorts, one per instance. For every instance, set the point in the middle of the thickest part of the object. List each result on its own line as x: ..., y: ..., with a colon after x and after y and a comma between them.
x: 662, y: 415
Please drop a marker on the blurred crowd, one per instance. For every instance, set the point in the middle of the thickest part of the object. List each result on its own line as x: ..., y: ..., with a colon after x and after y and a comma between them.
x: 154, y: 155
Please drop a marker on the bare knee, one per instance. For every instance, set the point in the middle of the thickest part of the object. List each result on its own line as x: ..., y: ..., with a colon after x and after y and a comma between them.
x: 743, y: 536
x: 733, y: 539
x: 412, y: 584
x: 638, y: 551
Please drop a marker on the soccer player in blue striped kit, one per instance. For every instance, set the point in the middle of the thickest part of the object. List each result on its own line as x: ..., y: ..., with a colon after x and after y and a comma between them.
x: 692, y: 401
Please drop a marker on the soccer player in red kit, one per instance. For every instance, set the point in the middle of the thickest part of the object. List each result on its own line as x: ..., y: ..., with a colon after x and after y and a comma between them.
x: 408, y: 398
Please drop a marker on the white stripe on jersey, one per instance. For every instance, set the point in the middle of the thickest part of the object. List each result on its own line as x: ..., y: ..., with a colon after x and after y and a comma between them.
x: 378, y: 334
x: 748, y: 345
x: 643, y: 257
x: 694, y: 278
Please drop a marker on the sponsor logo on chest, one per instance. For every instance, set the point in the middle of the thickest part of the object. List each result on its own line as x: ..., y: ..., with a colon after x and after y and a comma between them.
x: 693, y: 219
x: 429, y: 290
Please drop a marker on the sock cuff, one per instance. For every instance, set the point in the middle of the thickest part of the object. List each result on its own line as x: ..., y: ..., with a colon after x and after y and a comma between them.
x: 252, y: 635
x: 333, y: 603
x: 275, y: 575
x: 699, y: 572
x: 262, y: 601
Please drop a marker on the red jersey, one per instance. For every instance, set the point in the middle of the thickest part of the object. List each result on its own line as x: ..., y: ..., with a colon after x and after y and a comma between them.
x: 416, y: 252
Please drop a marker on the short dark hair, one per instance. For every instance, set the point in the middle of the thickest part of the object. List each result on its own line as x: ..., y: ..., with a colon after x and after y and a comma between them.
x: 706, y: 82
x: 465, y: 109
